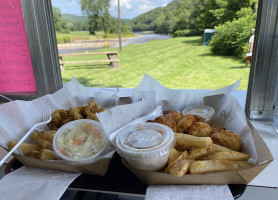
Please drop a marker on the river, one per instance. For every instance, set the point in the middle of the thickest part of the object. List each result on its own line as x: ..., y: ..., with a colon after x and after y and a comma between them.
x: 93, y: 45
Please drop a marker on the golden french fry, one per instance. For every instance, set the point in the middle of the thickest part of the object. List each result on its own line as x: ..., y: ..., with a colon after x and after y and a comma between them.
x: 173, y: 155
x: 233, y: 155
x: 183, y: 156
x: 44, y: 143
x: 33, y: 154
x: 24, y: 147
x: 206, y: 166
x: 220, y: 148
x: 47, y: 135
x: 199, y: 153
x: 184, y: 141
x: 46, y: 154
x: 180, y: 168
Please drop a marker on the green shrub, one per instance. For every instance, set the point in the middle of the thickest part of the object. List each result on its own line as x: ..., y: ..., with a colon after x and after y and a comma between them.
x: 63, y: 39
x: 186, y: 33
x: 232, y: 38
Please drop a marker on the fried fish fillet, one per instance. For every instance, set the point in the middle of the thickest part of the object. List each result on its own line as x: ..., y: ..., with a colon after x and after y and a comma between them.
x: 200, y: 129
x: 167, y: 120
x: 185, y: 123
x: 227, y: 139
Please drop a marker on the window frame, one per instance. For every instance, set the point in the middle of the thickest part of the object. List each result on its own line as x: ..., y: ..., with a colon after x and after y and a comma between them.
x: 40, y: 29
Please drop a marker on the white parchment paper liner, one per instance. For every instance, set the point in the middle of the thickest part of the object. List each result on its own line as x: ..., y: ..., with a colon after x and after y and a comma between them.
x: 17, y: 117
x: 228, y: 112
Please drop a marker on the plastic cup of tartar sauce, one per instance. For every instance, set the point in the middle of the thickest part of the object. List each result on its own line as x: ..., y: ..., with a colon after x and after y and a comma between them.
x: 145, y: 146
x: 201, y: 110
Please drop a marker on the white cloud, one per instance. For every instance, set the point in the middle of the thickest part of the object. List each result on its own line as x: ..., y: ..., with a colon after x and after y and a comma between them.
x: 72, y: 2
x: 145, y: 8
x: 126, y: 4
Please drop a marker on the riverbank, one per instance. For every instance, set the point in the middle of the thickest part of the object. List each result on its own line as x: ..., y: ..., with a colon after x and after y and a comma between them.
x: 94, y: 43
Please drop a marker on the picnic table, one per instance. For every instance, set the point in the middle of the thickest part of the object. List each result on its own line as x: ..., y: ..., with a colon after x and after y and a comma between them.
x: 111, y: 55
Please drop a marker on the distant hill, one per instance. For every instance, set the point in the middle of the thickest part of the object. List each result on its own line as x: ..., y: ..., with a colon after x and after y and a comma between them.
x: 75, y: 18
x: 163, y: 19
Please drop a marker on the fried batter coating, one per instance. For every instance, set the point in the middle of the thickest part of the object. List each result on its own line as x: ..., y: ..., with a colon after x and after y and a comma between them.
x: 77, y: 116
x: 92, y: 116
x: 57, y: 116
x: 167, y: 120
x: 91, y: 108
x: 176, y: 115
x: 82, y: 111
x: 216, y: 129
x: 101, y: 109
x: 73, y: 110
x: 200, y: 129
x: 227, y: 139
x: 199, y: 118
x: 67, y: 120
x: 185, y: 123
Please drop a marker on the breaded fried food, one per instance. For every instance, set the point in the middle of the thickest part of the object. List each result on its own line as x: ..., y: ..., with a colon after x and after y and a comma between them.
x: 200, y: 129
x: 65, y: 121
x: 101, y: 109
x: 167, y: 120
x: 227, y: 139
x: 76, y: 116
x: 82, y: 111
x: 57, y: 116
x: 180, y: 168
x: 185, y: 123
x: 176, y: 115
x: 92, y: 107
x: 206, y: 166
x: 199, y: 118
x: 73, y: 110
x: 92, y: 116
x: 216, y: 129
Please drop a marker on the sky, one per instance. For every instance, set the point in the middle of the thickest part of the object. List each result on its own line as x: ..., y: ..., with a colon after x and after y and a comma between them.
x: 129, y: 8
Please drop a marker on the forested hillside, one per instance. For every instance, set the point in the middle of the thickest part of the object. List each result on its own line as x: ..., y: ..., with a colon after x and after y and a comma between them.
x: 195, y: 15
x: 74, y: 18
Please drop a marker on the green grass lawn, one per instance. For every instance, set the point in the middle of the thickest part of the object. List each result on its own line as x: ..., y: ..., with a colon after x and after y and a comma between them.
x: 175, y: 63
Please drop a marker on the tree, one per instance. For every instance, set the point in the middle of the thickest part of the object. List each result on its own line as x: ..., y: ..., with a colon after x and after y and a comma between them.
x: 231, y: 38
x: 98, y: 14
x: 59, y: 21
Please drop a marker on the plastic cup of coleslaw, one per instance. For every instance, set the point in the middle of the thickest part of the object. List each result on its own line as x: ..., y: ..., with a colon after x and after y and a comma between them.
x: 201, y: 110
x: 145, y: 146
x: 80, y: 142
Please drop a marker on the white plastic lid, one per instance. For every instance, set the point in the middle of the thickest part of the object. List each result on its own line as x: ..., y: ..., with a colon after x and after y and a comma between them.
x: 146, y: 140
x: 80, y: 141
x: 201, y: 110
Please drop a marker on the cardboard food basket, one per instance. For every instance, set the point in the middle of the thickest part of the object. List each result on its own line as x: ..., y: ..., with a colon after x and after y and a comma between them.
x: 243, y: 176
x: 19, y: 116
x: 97, y: 168
x: 228, y: 114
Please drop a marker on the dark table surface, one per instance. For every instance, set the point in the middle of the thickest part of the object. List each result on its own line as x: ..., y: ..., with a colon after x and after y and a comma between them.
x: 118, y: 179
